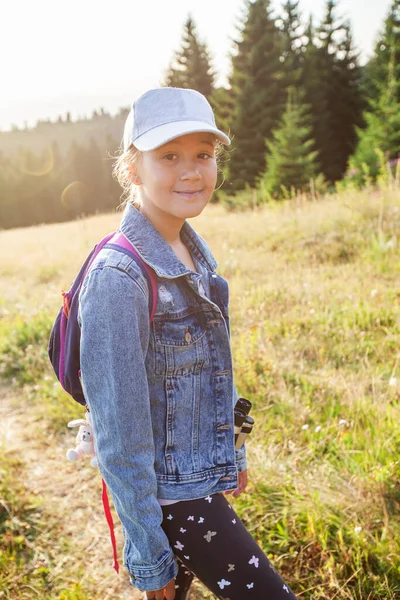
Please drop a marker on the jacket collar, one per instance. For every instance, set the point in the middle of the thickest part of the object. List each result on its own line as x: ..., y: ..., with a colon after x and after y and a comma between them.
x: 155, y: 250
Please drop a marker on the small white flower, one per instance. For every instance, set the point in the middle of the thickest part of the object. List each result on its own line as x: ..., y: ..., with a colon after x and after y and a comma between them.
x: 343, y: 423
x: 357, y: 529
x: 312, y: 311
x: 305, y: 426
x: 393, y: 381
x: 318, y: 428
x: 374, y: 292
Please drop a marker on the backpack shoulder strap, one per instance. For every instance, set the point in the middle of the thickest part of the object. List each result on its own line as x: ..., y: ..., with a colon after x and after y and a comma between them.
x: 119, y: 241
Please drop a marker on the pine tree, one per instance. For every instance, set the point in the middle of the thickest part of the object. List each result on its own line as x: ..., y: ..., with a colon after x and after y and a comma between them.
x: 191, y: 66
x: 381, y: 136
x: 292, y: 43
x: 291, y: 158
x: 387, y: 50
x: 258, y: 94
x: 331, y: 79
x: 223, y: 106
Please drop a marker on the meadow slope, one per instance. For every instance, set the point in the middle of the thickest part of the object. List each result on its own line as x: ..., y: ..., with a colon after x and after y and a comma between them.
x: 316, y: 342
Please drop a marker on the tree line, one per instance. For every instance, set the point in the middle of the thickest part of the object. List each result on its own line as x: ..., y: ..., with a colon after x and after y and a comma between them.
x: 299, y: 108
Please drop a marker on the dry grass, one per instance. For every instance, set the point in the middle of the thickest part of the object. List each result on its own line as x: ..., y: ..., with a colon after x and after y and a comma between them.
x: 315, y: 335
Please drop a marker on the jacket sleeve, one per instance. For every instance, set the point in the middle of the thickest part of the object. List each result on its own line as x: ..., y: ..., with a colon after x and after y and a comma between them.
x: 240, y: 454
x: 115, y: 329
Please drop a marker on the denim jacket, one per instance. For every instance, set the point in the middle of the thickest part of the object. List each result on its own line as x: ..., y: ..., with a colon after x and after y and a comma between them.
x: 161, y: 397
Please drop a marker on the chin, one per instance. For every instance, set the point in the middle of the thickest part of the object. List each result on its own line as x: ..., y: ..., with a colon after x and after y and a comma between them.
x: 192, y: 212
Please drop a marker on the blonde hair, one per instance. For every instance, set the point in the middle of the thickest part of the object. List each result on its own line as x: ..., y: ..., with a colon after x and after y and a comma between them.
x: 122, y: 172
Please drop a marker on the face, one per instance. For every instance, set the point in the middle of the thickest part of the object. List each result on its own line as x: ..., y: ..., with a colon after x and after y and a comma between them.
x: 179, y: 177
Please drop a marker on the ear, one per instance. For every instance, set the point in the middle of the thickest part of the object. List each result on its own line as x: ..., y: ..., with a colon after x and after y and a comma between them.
x: 133, y: 175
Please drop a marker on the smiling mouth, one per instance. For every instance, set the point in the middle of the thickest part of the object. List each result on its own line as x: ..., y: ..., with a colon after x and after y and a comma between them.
x: 188, y: 192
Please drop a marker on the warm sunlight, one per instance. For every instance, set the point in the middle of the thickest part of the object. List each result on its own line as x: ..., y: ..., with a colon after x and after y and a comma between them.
x: 89, y: 54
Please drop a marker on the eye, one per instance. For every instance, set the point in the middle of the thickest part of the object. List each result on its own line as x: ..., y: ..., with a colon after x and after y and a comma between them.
x: 170, y: 156
x: 205, y: 155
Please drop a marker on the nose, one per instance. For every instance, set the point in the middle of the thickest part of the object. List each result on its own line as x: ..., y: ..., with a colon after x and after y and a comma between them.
x: 190, y: 172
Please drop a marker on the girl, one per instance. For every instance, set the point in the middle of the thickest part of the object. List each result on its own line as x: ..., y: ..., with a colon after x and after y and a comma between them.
x: 161, y: 395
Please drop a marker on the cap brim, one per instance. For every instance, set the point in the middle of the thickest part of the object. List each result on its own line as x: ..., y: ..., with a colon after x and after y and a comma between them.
x: 165, y: 133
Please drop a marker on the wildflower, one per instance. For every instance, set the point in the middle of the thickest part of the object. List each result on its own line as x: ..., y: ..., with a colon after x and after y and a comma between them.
x: 391, y: 243
x: 305, y: 426
x: 357, y: 529
x: 374, y: 292
x: 312, y: 311
x: 343, y: 423
x: 393, y: 381
x: 318, y: 428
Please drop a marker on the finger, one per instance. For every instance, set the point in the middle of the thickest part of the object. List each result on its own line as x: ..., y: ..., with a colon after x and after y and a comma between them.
x: 239, y: 490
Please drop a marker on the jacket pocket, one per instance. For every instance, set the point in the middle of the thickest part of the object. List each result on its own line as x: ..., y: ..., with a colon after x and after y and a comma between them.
x: 180, y: 345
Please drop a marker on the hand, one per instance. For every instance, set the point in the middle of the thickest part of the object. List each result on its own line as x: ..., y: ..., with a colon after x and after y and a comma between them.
x: 167, y: 593
x: 242, y: 484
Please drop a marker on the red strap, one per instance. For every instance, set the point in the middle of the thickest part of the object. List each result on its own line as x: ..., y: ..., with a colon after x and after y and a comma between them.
x: 110, y: 522
x: 120, y: 239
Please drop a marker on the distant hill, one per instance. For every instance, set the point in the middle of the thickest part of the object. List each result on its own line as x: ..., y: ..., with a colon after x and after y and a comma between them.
x: 105, y: 129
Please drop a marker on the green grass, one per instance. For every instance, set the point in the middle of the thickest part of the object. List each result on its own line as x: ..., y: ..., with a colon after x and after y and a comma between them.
x: 30, y: 539
x: 315, y: 325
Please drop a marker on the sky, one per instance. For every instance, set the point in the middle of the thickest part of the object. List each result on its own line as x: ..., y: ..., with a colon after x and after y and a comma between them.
x: 81, y: 55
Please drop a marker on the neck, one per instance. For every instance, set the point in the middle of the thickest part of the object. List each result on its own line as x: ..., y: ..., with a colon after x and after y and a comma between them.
x: 167, y: 225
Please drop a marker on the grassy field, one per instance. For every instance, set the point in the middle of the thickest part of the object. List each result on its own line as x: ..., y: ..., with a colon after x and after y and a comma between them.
x: 316, y: 341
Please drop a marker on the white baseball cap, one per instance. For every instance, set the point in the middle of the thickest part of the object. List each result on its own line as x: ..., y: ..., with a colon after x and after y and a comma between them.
x: 162, y: 114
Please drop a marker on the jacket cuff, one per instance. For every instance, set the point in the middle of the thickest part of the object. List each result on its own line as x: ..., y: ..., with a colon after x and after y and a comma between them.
x: 154, y: 577
x: 240, y: 456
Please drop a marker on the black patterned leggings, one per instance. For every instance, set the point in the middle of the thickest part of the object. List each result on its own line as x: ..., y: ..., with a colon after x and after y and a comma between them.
x: 210, y: 542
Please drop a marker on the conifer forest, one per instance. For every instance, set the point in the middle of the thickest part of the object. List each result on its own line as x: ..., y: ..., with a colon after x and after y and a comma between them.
x: 304, y: 117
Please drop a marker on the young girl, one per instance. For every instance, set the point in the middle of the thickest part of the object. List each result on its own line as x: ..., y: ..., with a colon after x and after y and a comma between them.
x: 161, y: 394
